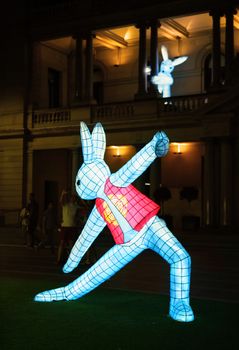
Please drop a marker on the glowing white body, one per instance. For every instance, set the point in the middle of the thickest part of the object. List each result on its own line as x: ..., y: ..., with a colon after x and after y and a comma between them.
x: 154, y: 235
x: 164, y: 79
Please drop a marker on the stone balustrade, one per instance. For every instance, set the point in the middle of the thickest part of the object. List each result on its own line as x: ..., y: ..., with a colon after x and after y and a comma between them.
x: 113, y: 111
x: 50, y: 117
x: 182, y: 104
x: 151, y: 108
x: 122, y: 111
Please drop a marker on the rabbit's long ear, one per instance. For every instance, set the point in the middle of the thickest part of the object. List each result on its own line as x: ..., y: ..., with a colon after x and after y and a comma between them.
x: 86, y: 142
x: 179, y: 60
x: 99, y: 141
x: 164, y: 52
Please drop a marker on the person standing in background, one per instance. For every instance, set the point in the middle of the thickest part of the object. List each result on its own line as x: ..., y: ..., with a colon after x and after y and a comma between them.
x: 68, y: 229
x: 32, y: 208
x: 24, y: 221
x: 49, y: 225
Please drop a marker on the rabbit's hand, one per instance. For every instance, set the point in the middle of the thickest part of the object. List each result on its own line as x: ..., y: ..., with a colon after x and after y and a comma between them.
x: 161, y: 144
x: 90, y: 232
x: 162, y: 79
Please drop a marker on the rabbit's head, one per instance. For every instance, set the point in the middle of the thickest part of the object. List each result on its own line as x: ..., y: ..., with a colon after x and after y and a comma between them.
x: 94, y: 171
x: 167, y: 65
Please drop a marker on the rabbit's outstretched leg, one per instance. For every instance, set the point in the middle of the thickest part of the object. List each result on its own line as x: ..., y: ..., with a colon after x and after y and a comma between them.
x: 110, y: 263
x: 163, y: 242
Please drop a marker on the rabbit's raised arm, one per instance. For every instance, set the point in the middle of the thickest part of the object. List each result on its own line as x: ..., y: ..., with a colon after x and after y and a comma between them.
x: 90, y: 232
x: 157, y: 147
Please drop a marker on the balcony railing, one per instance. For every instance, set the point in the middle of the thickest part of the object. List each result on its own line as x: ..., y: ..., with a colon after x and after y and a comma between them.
x: 114, y: 111
x: 120, y: 112
x: 148, y: 108
x: 182, y: 104
x: 50, y: 117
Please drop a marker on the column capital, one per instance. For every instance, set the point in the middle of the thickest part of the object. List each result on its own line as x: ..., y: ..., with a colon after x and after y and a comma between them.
x: 142, y: 24
x: 230, y: 10
x: 216, y: 12
x: 155, y: 21
x: 83, y: 34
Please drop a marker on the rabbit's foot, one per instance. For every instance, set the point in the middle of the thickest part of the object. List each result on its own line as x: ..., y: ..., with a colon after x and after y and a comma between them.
x: 51, y: 295
x: 181, y: 311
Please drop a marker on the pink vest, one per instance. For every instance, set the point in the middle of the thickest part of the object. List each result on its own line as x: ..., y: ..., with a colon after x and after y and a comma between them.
x: 132, y: 204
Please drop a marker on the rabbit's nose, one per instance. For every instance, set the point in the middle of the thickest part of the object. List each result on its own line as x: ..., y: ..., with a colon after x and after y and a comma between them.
x: 78, y: 182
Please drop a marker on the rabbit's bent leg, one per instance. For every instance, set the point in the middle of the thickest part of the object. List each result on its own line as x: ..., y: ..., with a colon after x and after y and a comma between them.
x: 110, y: 263
x: 163, y: 242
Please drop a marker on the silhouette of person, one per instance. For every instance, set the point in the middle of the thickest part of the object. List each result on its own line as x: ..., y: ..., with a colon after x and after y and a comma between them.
x: 32, y: 208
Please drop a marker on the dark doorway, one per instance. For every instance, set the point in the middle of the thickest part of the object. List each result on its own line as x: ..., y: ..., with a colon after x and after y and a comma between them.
x: 52, y: 172
x: 208, y: 71
x: 98, y: 86
x: 54, y: 80
x: 98, y: 92
x: 51, y: 192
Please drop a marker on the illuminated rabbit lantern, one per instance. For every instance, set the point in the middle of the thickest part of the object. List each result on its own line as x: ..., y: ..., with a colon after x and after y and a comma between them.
x: 131, y: 218
x: 164, y: 79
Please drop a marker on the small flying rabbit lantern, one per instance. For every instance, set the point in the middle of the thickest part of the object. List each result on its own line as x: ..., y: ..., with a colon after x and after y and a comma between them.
x: 164, y: 79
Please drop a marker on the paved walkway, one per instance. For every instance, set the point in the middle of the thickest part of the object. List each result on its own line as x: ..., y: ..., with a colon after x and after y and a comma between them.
x: 215, y: 265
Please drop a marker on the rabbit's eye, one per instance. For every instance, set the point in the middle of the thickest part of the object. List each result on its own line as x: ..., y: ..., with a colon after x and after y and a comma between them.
x: 78, y: 182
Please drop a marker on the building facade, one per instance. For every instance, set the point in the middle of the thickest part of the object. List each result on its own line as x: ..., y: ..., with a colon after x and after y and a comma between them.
x: 64, y: 62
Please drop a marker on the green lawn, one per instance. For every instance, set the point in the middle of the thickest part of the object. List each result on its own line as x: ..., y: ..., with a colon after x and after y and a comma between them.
x: 108, y: 319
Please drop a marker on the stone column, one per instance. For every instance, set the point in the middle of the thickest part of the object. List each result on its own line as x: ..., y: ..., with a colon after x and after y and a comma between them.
x: 211, y: 184
x: 30, y: 163
x: 229, y: 40
x: 79, y: 70
x: 89, y: 68
x: 206, y: 190
x: 154, y: 60
x: 225, y: 183
x: 142, y: 63
x: 235, y: 184
x: 27, y: 104
x: 216, y: 48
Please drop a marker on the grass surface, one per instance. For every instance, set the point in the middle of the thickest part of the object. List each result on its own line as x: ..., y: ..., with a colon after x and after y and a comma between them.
x: 108, y: 319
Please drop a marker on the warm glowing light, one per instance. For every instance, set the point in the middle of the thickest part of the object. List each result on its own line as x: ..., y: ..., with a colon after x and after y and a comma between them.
x: 131, y: 33
x: 124, y: 151
x: 127, y: 35
x: 181, y: 147
x: 236, y: 21
x: 148, y: 70
x: 177, y: 148
x: 110, y: 39
x: 131, y: 219
x: 117, y: 151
